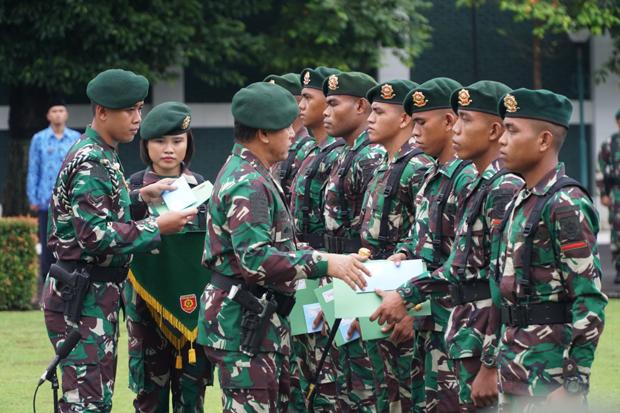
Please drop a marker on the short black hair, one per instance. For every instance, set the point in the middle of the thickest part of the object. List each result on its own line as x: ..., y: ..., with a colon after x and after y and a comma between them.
x: 144, y: 152
x: 245, y: 134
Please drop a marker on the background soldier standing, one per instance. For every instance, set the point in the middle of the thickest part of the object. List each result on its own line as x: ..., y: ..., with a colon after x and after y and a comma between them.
x: 251, y: 255
x: 90, y: 230
x: 547, y: 275
x: 387, y: 217
x: 608, y: 182
x: 434, y: 384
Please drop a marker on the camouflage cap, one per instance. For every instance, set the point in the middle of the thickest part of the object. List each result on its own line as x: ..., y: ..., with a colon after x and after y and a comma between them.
x: 482, y: 96
x: 348, y: 83
x: 538, y: 104
x: 117, y: 89
x: 263, y: 105
x: 430, y: 95
x: 289, y: 81
x: 313, y: 78
x: 392, y: 91
x: 168, y: 118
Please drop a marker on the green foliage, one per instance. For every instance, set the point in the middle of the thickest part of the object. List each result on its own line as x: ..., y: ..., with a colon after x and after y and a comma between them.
x: 18, y: 262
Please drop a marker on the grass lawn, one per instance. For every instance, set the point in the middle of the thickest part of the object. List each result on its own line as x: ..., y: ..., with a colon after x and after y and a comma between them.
x: 26, y: 351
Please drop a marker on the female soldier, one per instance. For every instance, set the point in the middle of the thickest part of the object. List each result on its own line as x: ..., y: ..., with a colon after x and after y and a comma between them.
x: 161, y: 297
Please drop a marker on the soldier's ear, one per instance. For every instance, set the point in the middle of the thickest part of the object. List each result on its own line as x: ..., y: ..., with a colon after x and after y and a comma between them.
x: 497, y: 130
x: 405, y: 121
x: 449, y: 120
x: 262, y: 136
x: 545, y: 140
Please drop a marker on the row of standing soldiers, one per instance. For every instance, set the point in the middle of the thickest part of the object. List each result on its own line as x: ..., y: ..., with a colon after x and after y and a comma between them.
x: 465, y: 178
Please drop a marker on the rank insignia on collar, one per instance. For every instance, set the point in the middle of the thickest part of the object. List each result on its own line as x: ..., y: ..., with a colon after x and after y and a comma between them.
x: 419, y: 100
x: 332, y: 82
x: 185, y: 123
x: 511, y: 103
x: 306, y: 78
x: 387, y: 92
x: 464, y: 98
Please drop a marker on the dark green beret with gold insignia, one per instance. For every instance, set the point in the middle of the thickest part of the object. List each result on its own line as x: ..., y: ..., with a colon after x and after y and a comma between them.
x: 313, y: 78
x: 430, y: 95
x: 117, y: 89
x: 540, y: 104
x: 289, y: 81
x: 348, y: 83
x: 392, y: 91
x: 263, y: 105
x: 482, y: 96
x: 168, y: 118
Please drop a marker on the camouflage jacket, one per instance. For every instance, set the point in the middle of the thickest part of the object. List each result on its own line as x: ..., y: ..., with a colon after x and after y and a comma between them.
x: 467, y: 326
x: 250, y: 237
x: 285, y: 171
x: 401, y: 208
x: 346, y: 222
x: 425, y: 228
x: 608, y: 172
x: 565, y: 267
x: 90, y: 220
x: 312, y: 220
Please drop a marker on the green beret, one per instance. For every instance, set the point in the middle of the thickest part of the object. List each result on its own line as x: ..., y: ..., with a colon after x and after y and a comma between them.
x: 117, y: 89
x: 430, y: 95
x: 289, y: 81
x: 169, y: 118
x: 348, y: 83
x: 313, y: 78
x: 618, y: 114
x: 538, y: 104
x: 263, y: 105
x: 482, y: 96
x: 392, y: 91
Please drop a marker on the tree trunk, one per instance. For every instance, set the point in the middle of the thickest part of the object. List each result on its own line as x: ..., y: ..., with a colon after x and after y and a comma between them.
x: 537, y: 62
x: 27, y: 110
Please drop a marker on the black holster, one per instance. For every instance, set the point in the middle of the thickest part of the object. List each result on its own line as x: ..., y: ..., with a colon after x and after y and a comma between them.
x: 257, y: 313
x: 73, y: 287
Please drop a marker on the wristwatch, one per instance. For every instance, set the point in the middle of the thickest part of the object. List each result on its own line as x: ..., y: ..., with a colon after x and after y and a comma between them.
x: 489, y: 360
x: 573, y: 384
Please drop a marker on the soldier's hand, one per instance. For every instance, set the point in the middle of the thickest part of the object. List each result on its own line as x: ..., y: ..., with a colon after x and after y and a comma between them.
x: 392, y: 309
x: 348, y: 268
x: 318, y: 319
x: 172, y: 222
x: 484, y: 387
x: 606, y: 200
x: 397, y: 258
x: 355, y: 326
x: 152, y: 193
x: 401, y: 331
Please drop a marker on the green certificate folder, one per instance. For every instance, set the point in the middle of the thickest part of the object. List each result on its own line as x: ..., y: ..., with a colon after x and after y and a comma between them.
x: 304, y: 295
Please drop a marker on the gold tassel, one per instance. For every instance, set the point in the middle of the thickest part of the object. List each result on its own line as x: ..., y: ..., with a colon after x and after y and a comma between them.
x: 191, y: 354
x: 179, y: 364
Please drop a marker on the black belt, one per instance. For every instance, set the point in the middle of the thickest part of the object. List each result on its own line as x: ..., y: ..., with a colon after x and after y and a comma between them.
x: 470, y: 292
x: 96, y: 273
x: 523, y: 315
x: 285, y: 302
x: 316, y: 241
x: 342, y: 245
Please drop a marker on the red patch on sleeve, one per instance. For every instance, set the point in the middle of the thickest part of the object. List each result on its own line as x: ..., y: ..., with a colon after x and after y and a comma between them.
x: 573, y: 246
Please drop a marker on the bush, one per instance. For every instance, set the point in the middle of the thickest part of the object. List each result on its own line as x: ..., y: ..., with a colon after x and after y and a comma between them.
x: 18, y: 262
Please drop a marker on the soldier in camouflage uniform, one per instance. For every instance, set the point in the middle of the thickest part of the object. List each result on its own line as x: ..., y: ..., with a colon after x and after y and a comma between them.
x: 388, y: 212
x: 608, y: 182
x: 155, y: 345
x: 465, y: 274
x: 90, y: 229
x: 307, y: 211
x: 546, y: 271
x: 251, y: 254
x: 346, y: 116
x: 434, y: 384
x: 303, y: 144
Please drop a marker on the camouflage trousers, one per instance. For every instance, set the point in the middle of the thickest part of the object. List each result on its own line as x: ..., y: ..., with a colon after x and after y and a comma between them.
x: 306, y: 353
x: 355, y: 378
x: 466, y: 370
x: 252, y: 384
x: 614, y: 221
x: 509, y: 403
x: 89, y: 371
x: 152, y: 358
x: 391, y: 365
x: 434, y: 384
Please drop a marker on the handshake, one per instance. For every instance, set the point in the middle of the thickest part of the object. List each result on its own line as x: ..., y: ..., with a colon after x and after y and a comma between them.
x: 169, y: 222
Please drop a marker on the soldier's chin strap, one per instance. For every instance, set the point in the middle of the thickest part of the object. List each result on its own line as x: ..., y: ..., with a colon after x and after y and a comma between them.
x: 313, y: 386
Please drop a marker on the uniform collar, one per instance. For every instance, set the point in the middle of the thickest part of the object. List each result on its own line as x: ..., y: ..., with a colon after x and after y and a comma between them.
x: 51, y: 134
x: 492, y: 169
x: 447, y: 168
x: 404, y: 150
x: 247, y: 155
x: 328, y: 141
x: 94, y: 135
x: 543, y: 186
x: 359, y: 140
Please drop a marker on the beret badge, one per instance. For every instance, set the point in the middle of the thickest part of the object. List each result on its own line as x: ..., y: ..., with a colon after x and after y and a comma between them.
x: 464, y: 98
x: 511, y: 103
x: 185, y: 123
x: 419, y: 100
x: 306, y: 78
x: 332, y: 82
x: 387, y: 92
